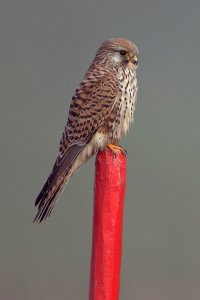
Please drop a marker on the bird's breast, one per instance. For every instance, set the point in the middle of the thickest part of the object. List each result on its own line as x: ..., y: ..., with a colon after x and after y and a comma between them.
x: 125, y: 104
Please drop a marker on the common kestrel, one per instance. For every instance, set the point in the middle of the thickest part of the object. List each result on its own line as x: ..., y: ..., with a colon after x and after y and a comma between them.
x: 100, y: 113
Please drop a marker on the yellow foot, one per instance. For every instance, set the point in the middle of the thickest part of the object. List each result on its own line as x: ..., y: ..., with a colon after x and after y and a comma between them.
x: 113, y: 148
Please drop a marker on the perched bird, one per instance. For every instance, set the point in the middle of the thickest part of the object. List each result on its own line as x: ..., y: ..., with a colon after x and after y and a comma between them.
x: 100, y: 113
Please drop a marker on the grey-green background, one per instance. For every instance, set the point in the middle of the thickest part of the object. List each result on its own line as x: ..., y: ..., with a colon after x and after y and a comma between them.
x: 45, y: 49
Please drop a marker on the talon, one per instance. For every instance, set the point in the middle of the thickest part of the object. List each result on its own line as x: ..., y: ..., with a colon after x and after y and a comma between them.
x: 114, y: 148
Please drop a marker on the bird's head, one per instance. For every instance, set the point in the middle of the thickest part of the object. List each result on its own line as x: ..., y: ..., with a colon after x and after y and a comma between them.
x: 118, y: 52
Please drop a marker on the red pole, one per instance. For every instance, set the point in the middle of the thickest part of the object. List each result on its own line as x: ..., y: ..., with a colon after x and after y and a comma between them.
x: 109, y: 191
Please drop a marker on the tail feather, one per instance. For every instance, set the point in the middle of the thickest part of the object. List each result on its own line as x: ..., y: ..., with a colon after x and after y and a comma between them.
x: 47, y: 202
x: 63, y: 169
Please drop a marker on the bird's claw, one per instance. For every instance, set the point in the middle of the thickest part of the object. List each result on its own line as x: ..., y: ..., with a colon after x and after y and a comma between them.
x: 113, y: 148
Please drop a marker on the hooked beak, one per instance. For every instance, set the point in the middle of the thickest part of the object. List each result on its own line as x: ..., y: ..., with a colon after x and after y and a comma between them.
x: 134, y: 59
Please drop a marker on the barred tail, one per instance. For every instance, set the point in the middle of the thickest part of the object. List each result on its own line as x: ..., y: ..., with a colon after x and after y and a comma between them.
x: 47, y: 198
x: 63, y: 169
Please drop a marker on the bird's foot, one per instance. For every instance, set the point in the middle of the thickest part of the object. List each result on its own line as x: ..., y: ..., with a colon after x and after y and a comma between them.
x: 113, y: 148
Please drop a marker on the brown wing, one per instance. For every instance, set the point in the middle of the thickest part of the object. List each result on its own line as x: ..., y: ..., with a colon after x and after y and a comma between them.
x: 91, y: 104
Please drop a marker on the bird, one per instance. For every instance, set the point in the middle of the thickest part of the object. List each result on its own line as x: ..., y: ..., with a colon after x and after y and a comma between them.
x: 100, y: 113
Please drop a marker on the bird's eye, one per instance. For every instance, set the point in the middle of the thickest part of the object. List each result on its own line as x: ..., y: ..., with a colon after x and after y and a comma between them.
x: 123, y: 52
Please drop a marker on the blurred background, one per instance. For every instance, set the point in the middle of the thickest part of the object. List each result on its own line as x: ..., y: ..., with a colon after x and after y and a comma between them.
x: 46, y: 47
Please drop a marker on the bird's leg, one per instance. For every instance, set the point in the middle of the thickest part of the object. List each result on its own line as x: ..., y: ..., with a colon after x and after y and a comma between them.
x: 114, y: 147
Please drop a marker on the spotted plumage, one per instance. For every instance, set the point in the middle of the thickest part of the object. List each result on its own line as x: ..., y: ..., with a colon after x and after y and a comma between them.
x: 100, y: 113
